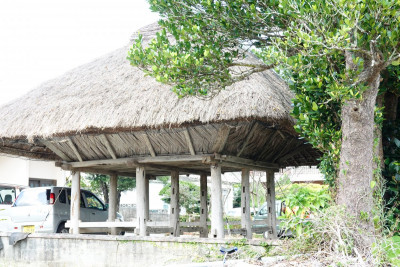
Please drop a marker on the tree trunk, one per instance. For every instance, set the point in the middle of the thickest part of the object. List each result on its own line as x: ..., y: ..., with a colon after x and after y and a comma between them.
x: 118, y: 199
x: 356, y: 157
x: 104, y: 188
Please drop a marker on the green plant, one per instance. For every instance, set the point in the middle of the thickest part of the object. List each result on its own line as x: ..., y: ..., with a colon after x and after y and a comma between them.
x: 302, y: 201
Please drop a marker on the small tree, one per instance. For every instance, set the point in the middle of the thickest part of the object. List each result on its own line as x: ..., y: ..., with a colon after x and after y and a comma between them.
x: 189, y: 195
x: 100, y: 184
x: 332, y: 53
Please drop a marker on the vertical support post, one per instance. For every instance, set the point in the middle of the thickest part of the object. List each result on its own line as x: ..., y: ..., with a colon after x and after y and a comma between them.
x: 272, y: 233
x: 174, y: 205
x: 217, y: 219
x: 245, y: 205
x: 75, y: 202
x: 203, y: 206
x: 147, y: 204
x: 112, y: 206
x: 141, y: 201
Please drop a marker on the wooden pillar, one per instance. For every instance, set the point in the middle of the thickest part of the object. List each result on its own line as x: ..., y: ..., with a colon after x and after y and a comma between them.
x: 272, y: 233
x: 75, y: 202
x: 147, y: 204
x: 174, y: 205
x: 203, y: 206
x: 141, y: 201
x: 245, y: 205
x: 112, y: 206
x: 217, y: 219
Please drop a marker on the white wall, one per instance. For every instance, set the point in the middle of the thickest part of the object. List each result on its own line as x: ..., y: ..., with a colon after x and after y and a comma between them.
x: 15, y: 170
x: 47, y: 170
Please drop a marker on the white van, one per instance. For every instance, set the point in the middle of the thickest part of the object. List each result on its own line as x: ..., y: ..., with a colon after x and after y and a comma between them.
x: 8, y: 194
x: 46, y: 209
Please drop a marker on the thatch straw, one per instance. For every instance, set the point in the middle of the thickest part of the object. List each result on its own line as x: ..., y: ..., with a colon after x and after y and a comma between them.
x: 109, y: 95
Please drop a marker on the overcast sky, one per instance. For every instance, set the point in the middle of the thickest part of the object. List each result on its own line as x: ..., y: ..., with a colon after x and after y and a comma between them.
x: 42, y: 39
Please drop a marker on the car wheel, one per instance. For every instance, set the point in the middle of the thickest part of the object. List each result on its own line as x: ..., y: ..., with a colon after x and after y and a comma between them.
x: 62, y: 230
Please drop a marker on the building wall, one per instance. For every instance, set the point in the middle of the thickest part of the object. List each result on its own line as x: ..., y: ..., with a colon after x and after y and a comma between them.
x: 19, y: 170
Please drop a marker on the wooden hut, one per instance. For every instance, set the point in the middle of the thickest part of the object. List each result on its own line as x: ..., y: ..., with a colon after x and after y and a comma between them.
x: 107, y: 117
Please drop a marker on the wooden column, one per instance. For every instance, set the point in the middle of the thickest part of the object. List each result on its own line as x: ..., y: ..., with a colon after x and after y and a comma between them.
x: 272, y: 233
x: 112, y: 206
x: 174, y: 205
x: 75, y: 202
x: 141, y: 201
x: 147, y: 204
x: 203, y: 206
x: 217, y: 220
x: 245, y: 205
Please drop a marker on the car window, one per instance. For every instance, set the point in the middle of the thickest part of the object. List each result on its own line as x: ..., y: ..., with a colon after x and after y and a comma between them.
x: 7, y: 195
x: 93, y: 202
x: 32, y: 198
x: 69, y: 198
x: 61, y: 196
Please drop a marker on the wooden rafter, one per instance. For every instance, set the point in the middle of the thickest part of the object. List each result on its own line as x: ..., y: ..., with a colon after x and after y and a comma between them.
x: 268, y: 145
x: 189, y: 142
x: 295, y: 151
x: 57, y: 151
x: 222, y: 138
x: 246, y: 141
x: 149, y: 145
x: 283, y: 150
x: 108, y: 145
x: 73, y: 147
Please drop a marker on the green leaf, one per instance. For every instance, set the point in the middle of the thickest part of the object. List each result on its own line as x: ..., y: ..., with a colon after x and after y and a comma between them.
x: 314, y: 106
x: 396, y: 63
x: 373, y: 183
x: 397, y: 142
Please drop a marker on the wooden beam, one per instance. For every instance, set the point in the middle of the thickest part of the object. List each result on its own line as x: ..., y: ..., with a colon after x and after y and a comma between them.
x: 139, y: 160
x: 108, y: 145
x: 268, y: 145
x: 222, y: 138
x: 281, y: 134
x: 250, y: 162
x: 57, y: 151
x: 246, y: 141
x: 239, y: 166
x: 148, y: 144
x: 68, y: 167
x: 283, y: 149
x: 73, y: 147
x: 189, y: 142
x: 295, y: 151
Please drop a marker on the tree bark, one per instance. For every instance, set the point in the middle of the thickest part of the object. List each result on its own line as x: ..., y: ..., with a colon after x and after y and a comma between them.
x: 356, y: 157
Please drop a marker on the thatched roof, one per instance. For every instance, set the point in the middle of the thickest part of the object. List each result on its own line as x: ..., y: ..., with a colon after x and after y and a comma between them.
x: 109, y: 117
x: 109, y: 95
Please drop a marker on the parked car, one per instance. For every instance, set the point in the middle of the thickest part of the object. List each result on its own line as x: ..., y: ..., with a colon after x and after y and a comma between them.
x: 262, y: 215
x: 235, y: 212
x: 8, y: 194
x: 46, y: 209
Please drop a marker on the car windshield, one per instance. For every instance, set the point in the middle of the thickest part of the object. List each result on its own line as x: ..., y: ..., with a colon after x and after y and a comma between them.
x: 7, y: 195
x: 32, y: 198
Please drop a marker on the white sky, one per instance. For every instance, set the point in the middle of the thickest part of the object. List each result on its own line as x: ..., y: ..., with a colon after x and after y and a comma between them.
x: 42, y: 39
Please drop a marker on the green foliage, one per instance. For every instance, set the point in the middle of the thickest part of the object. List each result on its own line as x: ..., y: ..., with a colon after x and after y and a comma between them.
x: 99, y: 184
x: 189, y: 196
x: 302, y: 201
x: 306, y: 42
x: 237, y: 196
x: 392, y: 249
